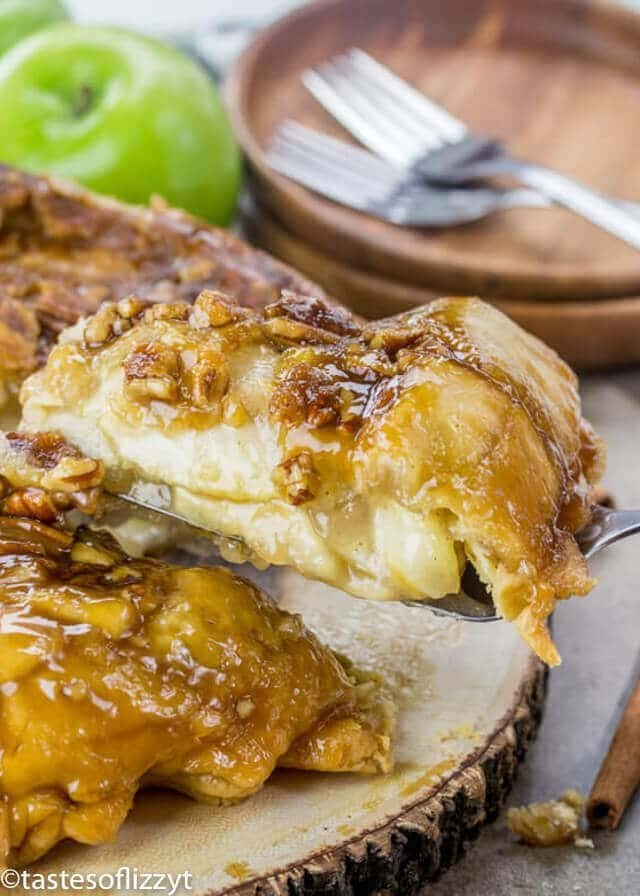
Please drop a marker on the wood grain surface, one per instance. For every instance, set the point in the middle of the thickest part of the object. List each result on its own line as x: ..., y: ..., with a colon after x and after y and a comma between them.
x: 469, y: 699
x: 559, y: 80
x: 590, y: 335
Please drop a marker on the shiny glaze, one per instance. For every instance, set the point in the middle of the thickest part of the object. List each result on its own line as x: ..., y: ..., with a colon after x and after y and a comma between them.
x: 384, y: 456
x: 118, y: 673
x: 64, y: 251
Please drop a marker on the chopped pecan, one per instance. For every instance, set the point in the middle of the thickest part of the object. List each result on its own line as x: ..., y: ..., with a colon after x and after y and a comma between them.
x: 34, y: 503
x: 214, y: 309
x: 296, y: 477
x: 167, y: 311
x: 130, y: 307
x: 367, y: 364
x: 392, y: 339
x: 74, y: 474
x: 209, y: 381
x: 105, y: 325
x: 152, y: 373
x: 306, y: 394
x: 284, y: 330
x: 88, y: 500
x: 42, y: 449
x: 314, y: 313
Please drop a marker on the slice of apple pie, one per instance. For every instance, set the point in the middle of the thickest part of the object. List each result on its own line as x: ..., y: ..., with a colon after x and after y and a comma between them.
x: 381, y: 458
x: 119, y: 673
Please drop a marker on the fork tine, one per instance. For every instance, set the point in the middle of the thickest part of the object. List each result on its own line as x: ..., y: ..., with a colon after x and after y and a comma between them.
x: 351, y: 158
x: 431, y: 114
x: 394, y: 118
x: 322, y: 172
x: 306, y: 161
x: 352, y: 121
x: 393, y: 140
x: 295, y: 142
x: 315, y: 180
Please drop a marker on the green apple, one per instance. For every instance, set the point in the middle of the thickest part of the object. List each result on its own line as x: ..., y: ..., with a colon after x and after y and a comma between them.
x: 19, y: 18
x: 120, y: 113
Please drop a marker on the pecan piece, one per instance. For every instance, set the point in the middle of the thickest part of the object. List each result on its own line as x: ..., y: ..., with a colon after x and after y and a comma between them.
x: 313, y: 312
x: 209, y: 381
x: 34, y: 503
x: 106, y: 324
x: 152, y: 373
x: 130, y: 307
x: 296, y: 477
x: 74, y: 474
x: 167, y: 311
x: 392, y: 339
x: 306, y: 394
x: 214, y: 309
x: 285, y: 331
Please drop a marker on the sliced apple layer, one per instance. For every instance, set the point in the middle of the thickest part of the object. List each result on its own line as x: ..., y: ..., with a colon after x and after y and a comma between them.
x: 380, y: 458
x: 120, y: 673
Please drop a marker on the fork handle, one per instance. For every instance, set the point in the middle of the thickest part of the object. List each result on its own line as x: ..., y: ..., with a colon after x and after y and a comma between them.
x: 614, y: 218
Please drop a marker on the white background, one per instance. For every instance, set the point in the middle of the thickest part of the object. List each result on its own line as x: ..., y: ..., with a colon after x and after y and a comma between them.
x: 174, y: 15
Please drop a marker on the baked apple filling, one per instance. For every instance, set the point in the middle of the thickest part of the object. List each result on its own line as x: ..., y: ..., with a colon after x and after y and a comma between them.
x: 119, y: 673
x: 380, y: 458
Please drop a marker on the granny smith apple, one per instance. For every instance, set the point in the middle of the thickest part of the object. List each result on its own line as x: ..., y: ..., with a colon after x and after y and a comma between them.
x: 19, y: 18
x: 120, y: 113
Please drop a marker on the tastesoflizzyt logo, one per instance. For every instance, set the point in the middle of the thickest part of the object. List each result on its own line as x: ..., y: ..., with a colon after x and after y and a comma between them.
x: 128, y: 880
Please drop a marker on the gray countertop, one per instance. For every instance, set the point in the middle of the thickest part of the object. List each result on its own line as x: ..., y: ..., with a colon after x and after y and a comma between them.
x: 598, y: 637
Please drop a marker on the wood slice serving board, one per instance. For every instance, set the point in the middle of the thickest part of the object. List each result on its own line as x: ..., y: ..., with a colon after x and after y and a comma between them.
x: 558, y: 80
x: 470, y: 699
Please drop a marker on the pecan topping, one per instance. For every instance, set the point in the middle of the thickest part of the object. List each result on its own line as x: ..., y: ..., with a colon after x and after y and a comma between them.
x: 99, y: 328
x: 74, y: 474
x: 306, y: 394
x: 34, y: 503
x: 283, y: 330
x: 392, y: 339
x: 42, y: 449
x: 151, y: 372
x: 167, y: 311
x: 314, y: 313
x: 214, y: 309
x: 210, y: 378
x: 112, y: 320
x: 130, y: 307
x: 296, y: 477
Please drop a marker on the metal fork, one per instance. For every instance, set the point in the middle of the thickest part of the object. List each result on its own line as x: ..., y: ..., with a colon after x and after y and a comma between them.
x: 606, y: 526
x: 403, y: 126
x: 361, y: 180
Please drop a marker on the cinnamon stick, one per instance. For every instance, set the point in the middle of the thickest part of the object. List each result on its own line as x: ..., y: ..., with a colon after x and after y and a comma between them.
x: 619, y: 774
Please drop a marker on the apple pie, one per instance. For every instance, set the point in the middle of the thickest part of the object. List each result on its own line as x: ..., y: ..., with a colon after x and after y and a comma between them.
x: 120, y: 673
x: 382, y: 458
x: 64, y: 251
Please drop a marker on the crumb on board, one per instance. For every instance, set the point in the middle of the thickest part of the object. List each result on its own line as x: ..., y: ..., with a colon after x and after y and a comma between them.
x: 551, y: 823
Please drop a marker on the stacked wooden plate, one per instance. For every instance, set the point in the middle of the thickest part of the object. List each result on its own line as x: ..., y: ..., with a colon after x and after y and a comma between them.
x: 558, y: 80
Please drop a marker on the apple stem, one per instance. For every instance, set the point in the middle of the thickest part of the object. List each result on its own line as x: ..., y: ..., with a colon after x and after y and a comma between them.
x: 83, y: 102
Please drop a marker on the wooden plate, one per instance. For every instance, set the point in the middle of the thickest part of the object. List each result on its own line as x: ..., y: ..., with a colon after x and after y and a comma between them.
x: 559, y: 80
x: 589, y: 335
x: 470, y: 700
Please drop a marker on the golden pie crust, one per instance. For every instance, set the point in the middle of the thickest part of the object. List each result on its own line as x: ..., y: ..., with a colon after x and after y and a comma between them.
x: 382, y: 458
